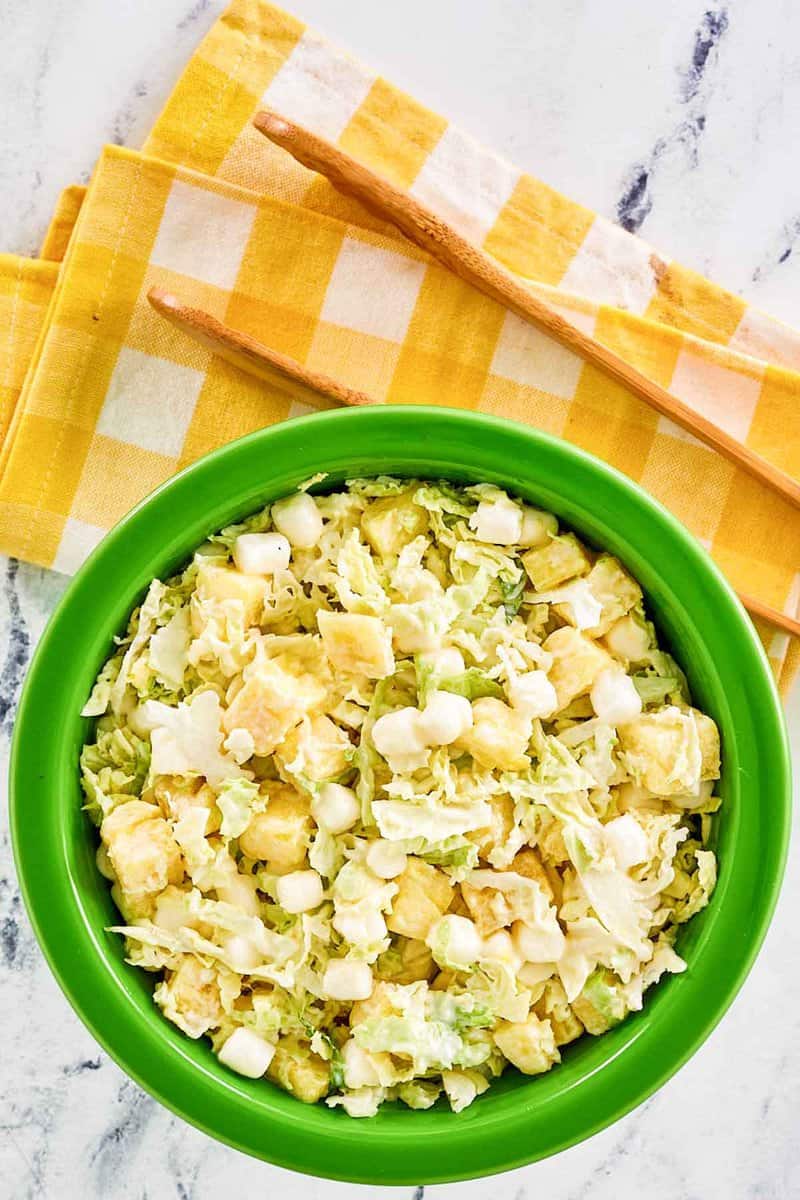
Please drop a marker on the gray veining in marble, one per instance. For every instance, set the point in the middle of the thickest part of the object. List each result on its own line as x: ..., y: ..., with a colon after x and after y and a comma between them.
x: 680, y: 121
x: 693, y: 83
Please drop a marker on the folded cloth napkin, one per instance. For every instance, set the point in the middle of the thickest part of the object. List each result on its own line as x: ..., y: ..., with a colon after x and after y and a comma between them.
x: 102, y: 400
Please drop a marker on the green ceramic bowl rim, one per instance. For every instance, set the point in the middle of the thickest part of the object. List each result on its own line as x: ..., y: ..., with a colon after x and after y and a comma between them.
x: 519, y: 1120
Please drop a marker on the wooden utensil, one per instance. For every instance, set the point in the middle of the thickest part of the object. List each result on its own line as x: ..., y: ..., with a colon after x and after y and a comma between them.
x: 428, y: 231
x: 291, y: 376
x: 757, y: 609
x: 250, y: 355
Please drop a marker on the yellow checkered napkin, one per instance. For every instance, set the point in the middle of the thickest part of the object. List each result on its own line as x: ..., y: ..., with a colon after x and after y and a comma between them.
x: 115, y: 400
x: 26, y: 287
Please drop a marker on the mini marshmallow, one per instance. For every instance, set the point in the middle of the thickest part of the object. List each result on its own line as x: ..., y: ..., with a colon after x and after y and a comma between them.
x: 261, y: 553
x: 498, y: 522
x: 448, y: 660
x: 533, y: 694
x: 627, y: 840
x: 359, y: 1066
x: 445, y: 718
x: 299, y: 891
x: 335, y: 808
x: 242, y: 954
x: 386, y: 859
x: 345, y: 979
x: 247, y: 1053
x: 298, y: 519
x: 537, y: 527
x: 614, y: 697
x: 398, y: 737
x: 455, y: 939
x: 358, y: 926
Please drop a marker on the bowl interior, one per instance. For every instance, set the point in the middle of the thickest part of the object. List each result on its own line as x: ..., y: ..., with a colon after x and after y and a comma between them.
x: 519, y: 1119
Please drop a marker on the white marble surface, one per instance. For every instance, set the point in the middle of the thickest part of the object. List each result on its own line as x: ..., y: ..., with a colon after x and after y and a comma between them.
x: 680, y: 119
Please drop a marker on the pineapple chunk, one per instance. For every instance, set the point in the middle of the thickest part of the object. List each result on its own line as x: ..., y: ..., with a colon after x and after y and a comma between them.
x: 271, y: 702
x: 424, y: 893
x: 281, y: 835
x: 299, y: 1071
x: 176, y: 795
x: 238, y: 889
x: 458, y: 905
x: 528, y: 1045
x: 388, y: 999
x: 561, y: 559
x: 392, y: 522
x: 662, y: 751
x: 319, y: 746
x: 628, y: 639
x: 499, y: 736
x: 488, y: 908
x: 491, y: 908
x: 224, y: 583
x: 613, y: 588
x: 406, y: 961
x: 438, y: 564
x: 577, y: 661
x: 554, y: 1006
x: 134, y: 906
x: 593, y: 1021
x: 173, y: 794
x: 357, y: 645
x: 171, y: 910
x: 551, y: 845
x: 378, y: 1004
x: 708, y: 735
x: 143, y: 852
x: 498, y: 831
x: 190, y: 997
x: 529, y: 864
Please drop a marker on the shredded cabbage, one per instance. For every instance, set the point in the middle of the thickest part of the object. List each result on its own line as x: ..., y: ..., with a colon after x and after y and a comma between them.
x: 399, y: 925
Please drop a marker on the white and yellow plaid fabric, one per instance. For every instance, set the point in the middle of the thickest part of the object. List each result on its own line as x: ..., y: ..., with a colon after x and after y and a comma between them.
x: 114, y: 400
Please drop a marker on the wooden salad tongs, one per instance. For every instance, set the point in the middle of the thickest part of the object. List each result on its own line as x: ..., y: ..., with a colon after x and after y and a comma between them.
x: 435, y: 236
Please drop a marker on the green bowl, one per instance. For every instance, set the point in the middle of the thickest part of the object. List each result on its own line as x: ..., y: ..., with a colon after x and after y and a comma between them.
x: 519, y: 1119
